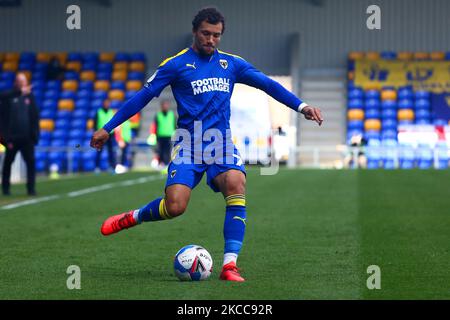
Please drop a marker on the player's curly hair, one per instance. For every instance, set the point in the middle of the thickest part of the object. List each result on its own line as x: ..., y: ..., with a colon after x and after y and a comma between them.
x: 210, y: 15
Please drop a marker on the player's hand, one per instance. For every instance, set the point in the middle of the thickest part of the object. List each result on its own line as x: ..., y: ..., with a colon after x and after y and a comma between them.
x: 99, y: 138
x: 26, y: 90
x: 312, y: 113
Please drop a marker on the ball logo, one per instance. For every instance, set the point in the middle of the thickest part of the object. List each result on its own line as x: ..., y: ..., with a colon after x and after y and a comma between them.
x: 223, y: 63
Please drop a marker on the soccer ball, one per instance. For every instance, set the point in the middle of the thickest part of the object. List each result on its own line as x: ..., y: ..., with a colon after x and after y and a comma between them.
x: 193, y: 262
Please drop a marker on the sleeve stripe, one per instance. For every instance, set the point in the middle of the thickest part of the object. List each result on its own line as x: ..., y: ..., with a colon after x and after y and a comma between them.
x: 170, y: 58
x: 230, y: 54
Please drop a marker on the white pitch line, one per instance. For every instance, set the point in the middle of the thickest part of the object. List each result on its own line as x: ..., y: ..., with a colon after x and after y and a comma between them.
x: 81, y: 192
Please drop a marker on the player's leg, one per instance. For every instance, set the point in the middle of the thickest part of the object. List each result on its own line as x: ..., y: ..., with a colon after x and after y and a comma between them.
x: 231, y: 184
x: 10, y: 154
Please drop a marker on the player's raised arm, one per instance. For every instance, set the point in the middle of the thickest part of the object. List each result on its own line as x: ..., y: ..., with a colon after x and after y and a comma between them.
x: 249, y: 75
x: 152, y: 88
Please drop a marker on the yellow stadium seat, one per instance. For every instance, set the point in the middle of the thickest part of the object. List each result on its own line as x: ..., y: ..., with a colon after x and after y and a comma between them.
x: 372, y: 124
x: 87, y: 75
x: 355, y: 114
x: 43, y: 57
x: 71, y: 85
x: 355, y: 55
x: 437, y: 56
x: 405, y: 114
x: 61, y: 56
x: 122, y: 65
x: 12, y: 56
x: 137, y: 66
x: 47, y: 124
x: 2, y: 56
x: 66, y: 104
x: 90, y: 124
x: 372, y: 55
x: 106, y: 56
x: 101, y: 85
x: 10, y: 66
x: 421, y: 56
x: 404, y: 55
x: 120, y: 75
x: 388, y: 95
x: 351, y: 75
x: 116, y: 94
x: 134, y: 85
x: 74, y: 66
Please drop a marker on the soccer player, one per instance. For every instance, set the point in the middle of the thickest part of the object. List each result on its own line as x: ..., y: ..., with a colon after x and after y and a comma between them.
x: 202, y: 79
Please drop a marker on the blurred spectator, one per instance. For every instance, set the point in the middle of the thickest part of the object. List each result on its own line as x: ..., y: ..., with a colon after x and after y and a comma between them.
x: 163, y: 128
x: 54, y: 70
x: 104, y: 114
x: 19, y: 130
x: 358, y: 143
x: 123, y: 138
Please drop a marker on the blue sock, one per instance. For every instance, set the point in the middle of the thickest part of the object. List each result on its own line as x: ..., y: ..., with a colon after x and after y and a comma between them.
x: 234, y: 225
x: 153, y: 211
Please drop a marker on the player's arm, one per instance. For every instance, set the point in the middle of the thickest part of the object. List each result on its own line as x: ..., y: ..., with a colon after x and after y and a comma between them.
x: 157, y: 82
x: 249, y: 75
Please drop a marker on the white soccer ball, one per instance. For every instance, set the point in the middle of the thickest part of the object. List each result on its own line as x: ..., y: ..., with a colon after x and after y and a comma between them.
x: 193, y: 262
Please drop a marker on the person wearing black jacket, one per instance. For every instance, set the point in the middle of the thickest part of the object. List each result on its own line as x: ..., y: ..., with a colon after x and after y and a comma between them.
x: 19, y: 130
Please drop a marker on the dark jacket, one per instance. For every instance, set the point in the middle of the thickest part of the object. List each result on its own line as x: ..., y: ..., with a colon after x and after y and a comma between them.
x: 19, y: 117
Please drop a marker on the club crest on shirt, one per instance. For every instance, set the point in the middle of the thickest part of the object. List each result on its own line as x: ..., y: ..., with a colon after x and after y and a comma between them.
x: 223, y: 63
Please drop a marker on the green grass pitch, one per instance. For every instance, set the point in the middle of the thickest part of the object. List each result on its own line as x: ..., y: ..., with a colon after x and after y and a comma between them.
x: 311, y: 234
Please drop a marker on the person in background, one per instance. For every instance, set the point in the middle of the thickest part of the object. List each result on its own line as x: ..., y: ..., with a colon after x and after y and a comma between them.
x: 164, y: 127
x: 54, y: 70
x: 103, y: 115
x: 123, y: 137
x: 19, y: 130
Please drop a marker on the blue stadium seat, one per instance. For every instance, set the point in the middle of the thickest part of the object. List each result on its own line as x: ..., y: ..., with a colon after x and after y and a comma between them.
x: 389, y: 134
x: 388, y: 55
x: 57, y: 158
x: 136, y: 75
x: 90, y: 57
x: 371, y: 134
x: 49, y: 104
x: 7, y: 76
x: 74, y: 56
x: 137, y: 56
x: 372, y: 114
x: 355, y: 104
x: 423, y: 114
x: 407, y: 157
x: 122, y: 56
x: 425, y: 157
x: 96, y: 104
x: 92, y: 113
x: 405, y: 122
x: 116, y: 104
x: 66, y: 94
x: 63, y: 114
x: 120, y: 85
x: 82, y: 104
x: 102, y: 75
x: 86, y: 85
x: 38, y: 85
x: 89, y: 66
x: 51, y: 94
x: 76, y: 134
x: 356, y: 93
x: 5, y: 85
x: 54, y: 85
x: 39, y: 76
x: 405, y: 104
x: 26, y: 66
x: 74, y: 161
x: 422, y: 104
x: 40, y: 67
x: 442, y: 155
x: 389, y: 123
x: 130, y: 94
x: 99, y: 94
x: 43, y: 142
x: 60, y: 134
x: 84, y: 94
x: 78, y: 124
x: 373, y: 155
x: 71, y: 75
x: 422, y: 95
x: 440, y: 122
x: 80, y: 114
x: 45, y: 135
x: 105, y: 67
x: 388, y: 104
x: 61, y: 124
x: 372, y: 104
x: 424, y: 121
x: 88, y: 160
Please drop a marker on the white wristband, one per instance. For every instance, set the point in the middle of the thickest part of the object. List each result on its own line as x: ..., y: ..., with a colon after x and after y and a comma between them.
x: 301, y: 106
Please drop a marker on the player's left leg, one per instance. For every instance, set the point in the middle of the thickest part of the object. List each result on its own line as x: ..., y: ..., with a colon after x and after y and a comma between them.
x: 231, y: 184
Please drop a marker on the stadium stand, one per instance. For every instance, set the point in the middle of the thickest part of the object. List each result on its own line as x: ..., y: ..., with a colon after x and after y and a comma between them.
x: 377, y: 113
x: 68, y: 106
